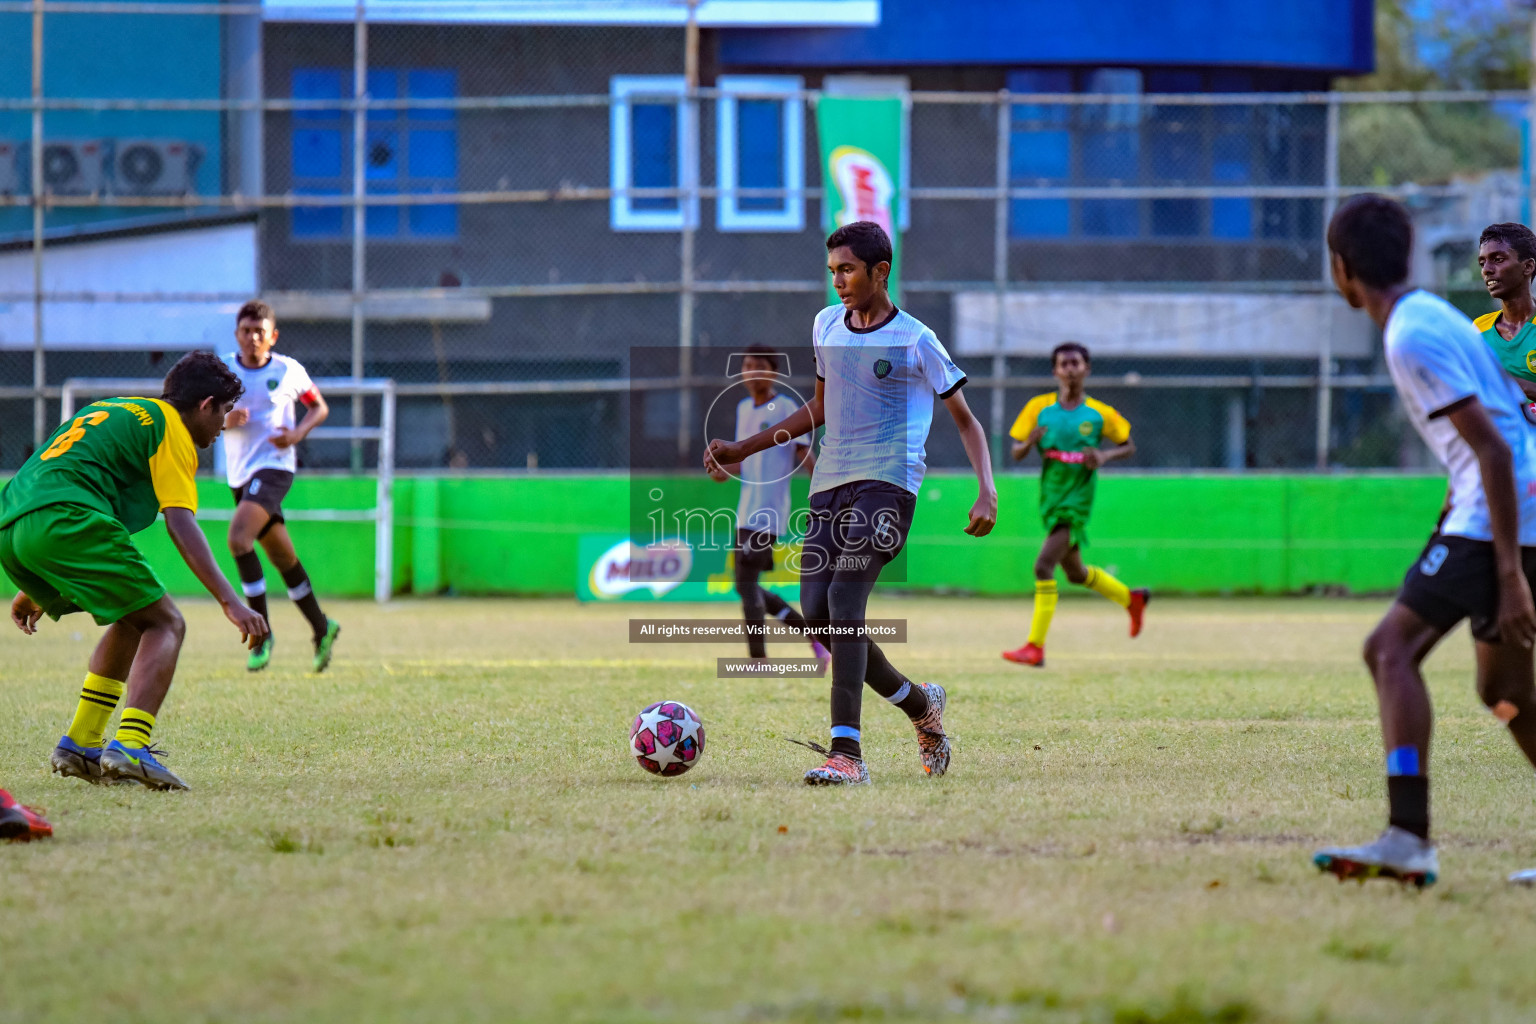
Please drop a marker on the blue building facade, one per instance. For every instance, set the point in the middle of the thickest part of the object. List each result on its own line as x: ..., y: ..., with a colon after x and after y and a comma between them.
x: 139, y: 153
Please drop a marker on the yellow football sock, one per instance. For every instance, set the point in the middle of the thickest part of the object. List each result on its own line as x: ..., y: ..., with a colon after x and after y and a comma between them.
x: 135, y: 728
x: 1107, y: 585
x: 1045, y: 607
x: 98, y: 699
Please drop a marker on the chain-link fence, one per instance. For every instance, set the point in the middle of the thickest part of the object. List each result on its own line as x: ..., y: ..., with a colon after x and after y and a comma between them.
x: 537, y: 203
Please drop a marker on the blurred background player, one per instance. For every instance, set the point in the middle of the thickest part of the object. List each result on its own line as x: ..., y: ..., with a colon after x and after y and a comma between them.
x: 877, y: 372
x: 21, y: 824
x: 762, y: 513
x: 1506, y: 255
x: 1480, y: 560
x: 1070, y: 428
x: 260, y: 460
x: 65, y: 521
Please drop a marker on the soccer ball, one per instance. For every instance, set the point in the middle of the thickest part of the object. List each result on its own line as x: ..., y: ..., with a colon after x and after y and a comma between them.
x: 667, y: 738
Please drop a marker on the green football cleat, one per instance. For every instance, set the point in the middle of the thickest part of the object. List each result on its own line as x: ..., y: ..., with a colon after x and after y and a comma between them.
x: 325, y: 644
x: 261, y: 657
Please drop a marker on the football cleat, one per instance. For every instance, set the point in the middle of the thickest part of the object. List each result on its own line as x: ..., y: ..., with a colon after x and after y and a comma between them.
x: 1138, y: 608
x: 20, y: 824
x: 932, y: 743
x: 137, y: 764
x: 324, y: 644
x: 1397, y: 853
x: 1029, y: 654
x: 839, y: 770
x: 73, y: 761
x: 261, y: 657
x: 1527, y: 876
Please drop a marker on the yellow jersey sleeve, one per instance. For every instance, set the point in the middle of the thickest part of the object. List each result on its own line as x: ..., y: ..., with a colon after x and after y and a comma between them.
x: 1029, y: 416
x: 1487, y: 320
x: 1117, y: 429
x: 173, y: 466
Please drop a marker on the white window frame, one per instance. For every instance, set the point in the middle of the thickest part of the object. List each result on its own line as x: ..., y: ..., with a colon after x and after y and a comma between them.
x: 621, y: 213
x: 728, y: 214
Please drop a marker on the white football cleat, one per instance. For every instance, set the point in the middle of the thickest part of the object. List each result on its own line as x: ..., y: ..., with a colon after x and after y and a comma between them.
x: 1397, y: 853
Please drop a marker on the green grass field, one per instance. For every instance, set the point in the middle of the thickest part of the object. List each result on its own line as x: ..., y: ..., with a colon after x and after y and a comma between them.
x: 447, y: 826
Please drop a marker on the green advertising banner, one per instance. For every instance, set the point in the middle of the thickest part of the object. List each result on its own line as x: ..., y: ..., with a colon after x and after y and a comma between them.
x: 861, y: 166
x: 662, y: 571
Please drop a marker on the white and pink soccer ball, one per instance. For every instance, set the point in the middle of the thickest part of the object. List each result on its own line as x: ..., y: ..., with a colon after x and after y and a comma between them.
x: 667, y: 738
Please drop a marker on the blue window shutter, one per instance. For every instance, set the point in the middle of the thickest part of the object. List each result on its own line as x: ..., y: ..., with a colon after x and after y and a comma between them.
x: 1039, y: 218
x: 434, y: 153
x: 760, y: 151
x: 653, y: 147
x: 383, y: 84
x: 317, y: 153
x: 432, y: 84
x: 1040, y: 152
x: 382, y: 221
x: 319, y: 84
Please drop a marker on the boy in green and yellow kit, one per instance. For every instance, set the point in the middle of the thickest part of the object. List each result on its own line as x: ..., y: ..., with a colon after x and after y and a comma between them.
x: 1070, y: 428
x: 65, y: 525
x: 1506, y: 258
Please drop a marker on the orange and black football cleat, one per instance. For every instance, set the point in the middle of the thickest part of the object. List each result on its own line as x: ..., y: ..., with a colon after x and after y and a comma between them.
x: 1138, y: 608
x: 1029, y: 654
x: 21, y: 824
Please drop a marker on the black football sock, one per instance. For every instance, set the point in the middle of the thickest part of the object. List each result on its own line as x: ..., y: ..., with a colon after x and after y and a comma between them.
x: 303, y: 595
x: 752, y: 609
x: 1407, y: 791
x: 889, y: 683
x: 846, y: 600
x: 1408, y: 798
x: 252, y: 583
x: 783, y: 611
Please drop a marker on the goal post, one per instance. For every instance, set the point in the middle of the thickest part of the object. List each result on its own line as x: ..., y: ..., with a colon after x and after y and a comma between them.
x: 84, y: 390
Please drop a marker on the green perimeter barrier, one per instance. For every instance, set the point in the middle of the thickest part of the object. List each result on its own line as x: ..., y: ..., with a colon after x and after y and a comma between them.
x: 1194, y: 533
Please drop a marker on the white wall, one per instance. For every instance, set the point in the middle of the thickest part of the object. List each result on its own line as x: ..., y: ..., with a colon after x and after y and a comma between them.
x: 1164, y: 324
x: 213, y: 260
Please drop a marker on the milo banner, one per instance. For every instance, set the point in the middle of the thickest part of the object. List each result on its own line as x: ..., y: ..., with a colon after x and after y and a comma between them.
x: 615, y: 568
x: 860, y: 165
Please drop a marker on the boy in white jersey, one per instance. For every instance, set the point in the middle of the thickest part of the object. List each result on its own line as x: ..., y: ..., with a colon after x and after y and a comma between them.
x: 260, y: 459
x: 1479, y: 563
x: 762, y: 512
x: 877, y: 372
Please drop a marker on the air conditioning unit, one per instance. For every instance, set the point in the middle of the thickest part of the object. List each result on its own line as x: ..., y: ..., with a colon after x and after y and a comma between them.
x: 10, y: 174
x: 154, y: 167
x: 71, y: 167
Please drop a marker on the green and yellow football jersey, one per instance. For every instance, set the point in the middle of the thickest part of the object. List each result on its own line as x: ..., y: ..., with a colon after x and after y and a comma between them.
x: 1518, y: 354
x: 1066, y: 484
x: 127, y: 458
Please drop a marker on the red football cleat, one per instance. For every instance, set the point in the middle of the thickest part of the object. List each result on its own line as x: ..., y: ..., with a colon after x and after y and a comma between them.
x: 1138, y: 607
x: 21, y: 824
x: 1029, y: 654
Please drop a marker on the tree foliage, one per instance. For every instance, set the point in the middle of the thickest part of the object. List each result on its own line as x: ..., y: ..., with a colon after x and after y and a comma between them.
x: 1432, y: 45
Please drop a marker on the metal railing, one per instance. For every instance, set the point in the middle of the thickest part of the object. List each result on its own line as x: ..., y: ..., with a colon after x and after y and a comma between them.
x: 992, y: 182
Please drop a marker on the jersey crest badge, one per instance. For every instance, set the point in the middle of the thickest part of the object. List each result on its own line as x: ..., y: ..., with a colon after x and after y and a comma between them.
x: 271, y: 383
x: 1530, y: 360
x: 1085, y: 428
x: 882, y: 368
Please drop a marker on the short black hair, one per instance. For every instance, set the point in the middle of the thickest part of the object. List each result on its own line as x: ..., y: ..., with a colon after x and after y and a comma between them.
x: 1373, y: 235
x: 1070, y: 346
x: 200, y: 375
x: 767, y: 353
x: 255, y: 310
x: 865, y: 239
x: 1515, y: 235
